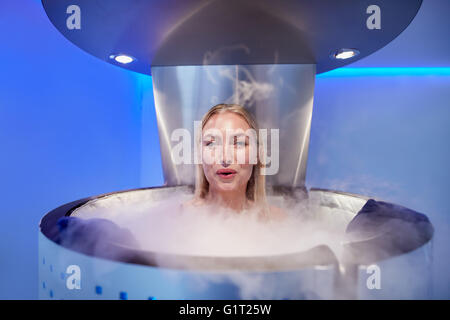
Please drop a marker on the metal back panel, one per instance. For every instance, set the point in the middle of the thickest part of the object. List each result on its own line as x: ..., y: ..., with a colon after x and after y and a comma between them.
x: 279, y: 96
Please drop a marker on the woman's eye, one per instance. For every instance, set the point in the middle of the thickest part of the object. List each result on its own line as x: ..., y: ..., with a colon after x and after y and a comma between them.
x: 211, y: 144
x: 240, y: 143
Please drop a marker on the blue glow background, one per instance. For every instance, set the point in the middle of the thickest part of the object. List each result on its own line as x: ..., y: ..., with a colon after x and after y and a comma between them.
x: 71, y: 126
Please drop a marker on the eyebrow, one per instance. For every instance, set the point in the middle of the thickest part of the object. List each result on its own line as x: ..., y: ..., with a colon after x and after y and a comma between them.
x: 209, y: 135
x: 239, y: 135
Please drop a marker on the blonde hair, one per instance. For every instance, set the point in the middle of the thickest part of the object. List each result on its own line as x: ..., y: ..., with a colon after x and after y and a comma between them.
x: 256, y: 186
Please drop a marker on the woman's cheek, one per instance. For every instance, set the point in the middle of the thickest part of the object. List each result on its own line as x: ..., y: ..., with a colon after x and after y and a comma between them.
x: 246, y: 171
x: 209, y: 155
x: 209, y: 173
x: 242, y: 156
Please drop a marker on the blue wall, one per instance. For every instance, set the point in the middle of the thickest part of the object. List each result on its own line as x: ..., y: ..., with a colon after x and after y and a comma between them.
x: 385, y: 133
x: 70, y: 127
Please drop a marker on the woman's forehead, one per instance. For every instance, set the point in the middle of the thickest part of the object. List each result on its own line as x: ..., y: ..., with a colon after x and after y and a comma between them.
x: 226, y: 120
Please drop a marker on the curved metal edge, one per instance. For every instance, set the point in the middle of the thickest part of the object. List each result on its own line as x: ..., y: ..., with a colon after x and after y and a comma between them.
x: 317, y: 256
x: 355, y: 195
x: 375, y: 249
x: 149, y: 69
x: 388, y: 243
x: 346, y: 63
x: 396, y: 236
x: 89, y: 53
x: 47, y: 224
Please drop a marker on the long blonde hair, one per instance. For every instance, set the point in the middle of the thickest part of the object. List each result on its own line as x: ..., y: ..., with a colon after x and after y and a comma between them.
x: 256, y: 186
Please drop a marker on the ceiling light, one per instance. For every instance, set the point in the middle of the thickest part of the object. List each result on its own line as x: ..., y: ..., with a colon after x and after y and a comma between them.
x: 342, y: 54
x: 122, y: 58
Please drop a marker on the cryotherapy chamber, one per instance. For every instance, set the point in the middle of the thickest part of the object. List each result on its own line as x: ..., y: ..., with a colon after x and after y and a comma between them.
x: 264, y: 56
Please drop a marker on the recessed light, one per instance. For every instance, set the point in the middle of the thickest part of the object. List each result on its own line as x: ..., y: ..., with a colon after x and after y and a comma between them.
x: 122, y: 58
x: 343, y: 54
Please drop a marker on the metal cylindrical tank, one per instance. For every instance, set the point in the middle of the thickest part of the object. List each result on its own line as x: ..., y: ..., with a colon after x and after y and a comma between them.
x: 69, y: 271
x: 263, y: 55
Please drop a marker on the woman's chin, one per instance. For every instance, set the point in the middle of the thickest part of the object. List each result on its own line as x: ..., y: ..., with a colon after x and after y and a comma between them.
x: 226, y: 186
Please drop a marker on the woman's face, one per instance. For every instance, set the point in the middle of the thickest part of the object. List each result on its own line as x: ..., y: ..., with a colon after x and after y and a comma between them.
x: 225, y: 152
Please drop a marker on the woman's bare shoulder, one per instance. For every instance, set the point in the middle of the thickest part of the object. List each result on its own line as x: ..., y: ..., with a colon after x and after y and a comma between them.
x: 192, y: 203
x: 277, y: 213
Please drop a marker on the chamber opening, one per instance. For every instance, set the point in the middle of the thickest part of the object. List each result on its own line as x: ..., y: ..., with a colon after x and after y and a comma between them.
x: 107, y: 227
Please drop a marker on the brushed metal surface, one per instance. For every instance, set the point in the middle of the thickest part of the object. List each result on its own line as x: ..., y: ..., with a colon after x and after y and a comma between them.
x: 198, y: 32
x: 279, y: 96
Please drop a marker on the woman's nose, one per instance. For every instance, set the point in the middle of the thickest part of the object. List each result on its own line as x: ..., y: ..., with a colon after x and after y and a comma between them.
x: 228, y: 156
x: 225, y: 164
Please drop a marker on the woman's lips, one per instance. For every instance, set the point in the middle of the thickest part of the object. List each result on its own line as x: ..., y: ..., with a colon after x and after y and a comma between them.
x: 226, y: 173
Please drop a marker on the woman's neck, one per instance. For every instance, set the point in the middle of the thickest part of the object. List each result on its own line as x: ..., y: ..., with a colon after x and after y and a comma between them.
x: 236, y: 201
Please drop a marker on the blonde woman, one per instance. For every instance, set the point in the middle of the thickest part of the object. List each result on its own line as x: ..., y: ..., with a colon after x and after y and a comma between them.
x: 229, y: 175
